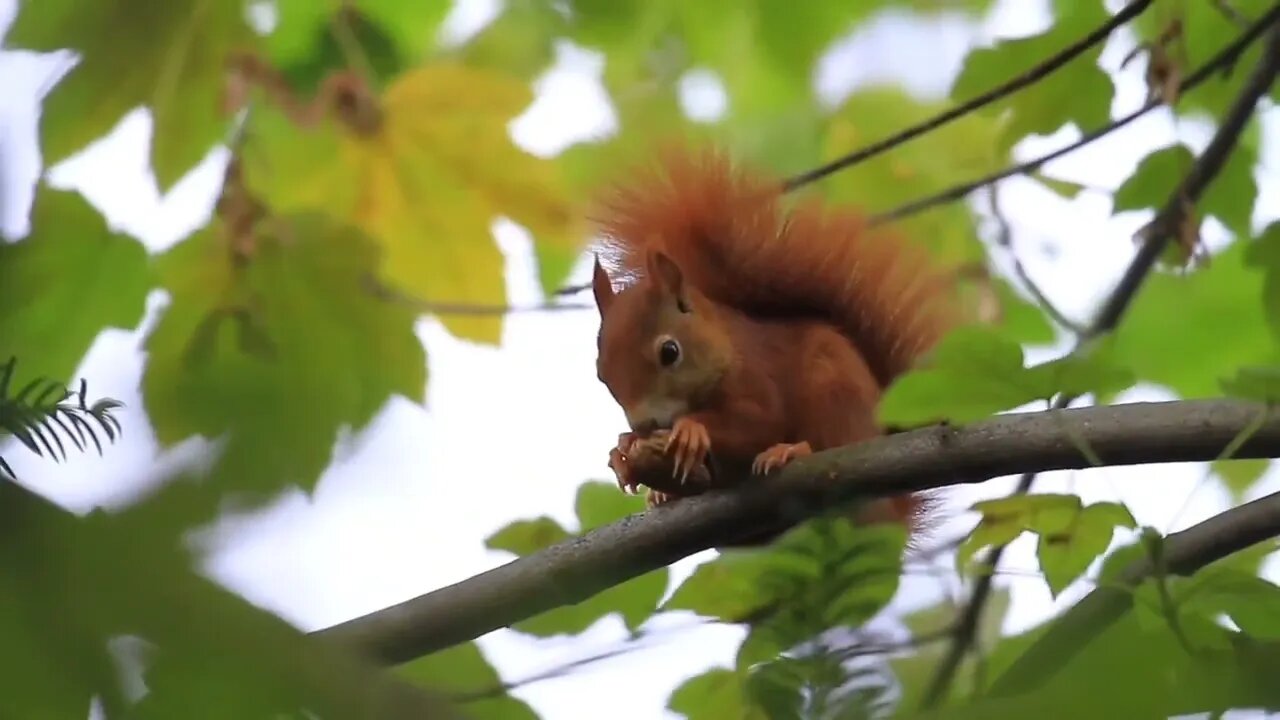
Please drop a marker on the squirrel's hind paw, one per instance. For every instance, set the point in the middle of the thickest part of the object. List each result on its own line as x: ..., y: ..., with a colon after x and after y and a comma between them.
x: 779, y: 455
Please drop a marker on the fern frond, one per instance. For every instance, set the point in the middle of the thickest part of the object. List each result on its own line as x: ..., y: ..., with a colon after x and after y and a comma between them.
x: 44, y: 412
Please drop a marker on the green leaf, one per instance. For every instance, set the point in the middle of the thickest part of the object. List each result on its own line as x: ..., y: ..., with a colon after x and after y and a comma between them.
x: 1039, y: 109
x: 975, y: 372
x: 822, y: 574
x: 524, y: 537
x: 971, y: 374
x: 384, y: 29
x: 462, y: 671
x: 1253, y: 603
x: 327, y: 53
x: 1004, y: 519
x: 65, y: 283
x: 1097, y: 370
x: 600, y: 503
x: 777, y: 688
x: 1260, y: 384
x: 1175, y: 334
x: 728, y: 588
x: 519, y: 42
x: 426, y: 185
x: 276, y: 355
x: 717, y: 693
x: 1021, y: 321
x: 957, y: 152
x: 1128, y: 670
x: 635, y: 600
x: 1066, y: 553
x: 1071, y: 537
x: 1064, y: 188
x: 1239, y: 476
x: 1229, y: 198
x: 167, y: 56
x: 1263, y: 254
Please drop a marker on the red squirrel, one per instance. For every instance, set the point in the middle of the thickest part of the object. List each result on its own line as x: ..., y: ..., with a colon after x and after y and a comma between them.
x: 750, y: 330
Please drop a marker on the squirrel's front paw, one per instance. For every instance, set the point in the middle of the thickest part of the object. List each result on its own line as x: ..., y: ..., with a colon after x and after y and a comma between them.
x: 690, y: 442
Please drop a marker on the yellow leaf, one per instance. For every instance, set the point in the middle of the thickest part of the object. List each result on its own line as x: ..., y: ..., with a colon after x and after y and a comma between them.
x: 427, y: 185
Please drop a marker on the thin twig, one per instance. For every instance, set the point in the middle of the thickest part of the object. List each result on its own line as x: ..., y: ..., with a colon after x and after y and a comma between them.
x: 1160, y: 230
x: 884, y: 648
x: 1004, y: 238
x: 1223, y: 60
x: 383, y: 292
x: 1028, y: 77
x: 634, y: 644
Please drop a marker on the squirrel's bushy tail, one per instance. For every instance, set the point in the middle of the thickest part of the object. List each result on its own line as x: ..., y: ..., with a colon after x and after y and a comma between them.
x: 731, y: 234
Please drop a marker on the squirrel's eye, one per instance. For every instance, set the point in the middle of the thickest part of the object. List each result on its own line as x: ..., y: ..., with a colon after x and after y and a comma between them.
x: 668, y: 353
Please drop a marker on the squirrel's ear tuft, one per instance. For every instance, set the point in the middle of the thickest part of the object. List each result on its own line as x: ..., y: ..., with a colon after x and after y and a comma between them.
x: 668, y: 276
x: 601, y: 287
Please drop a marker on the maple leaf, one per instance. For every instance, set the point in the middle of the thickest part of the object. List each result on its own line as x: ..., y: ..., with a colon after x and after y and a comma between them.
x: 426, y: 181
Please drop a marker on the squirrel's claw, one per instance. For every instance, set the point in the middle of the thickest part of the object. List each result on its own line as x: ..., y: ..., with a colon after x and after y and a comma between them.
x: 691, y: 443
x: 779, y: 455
x: 654, y: 498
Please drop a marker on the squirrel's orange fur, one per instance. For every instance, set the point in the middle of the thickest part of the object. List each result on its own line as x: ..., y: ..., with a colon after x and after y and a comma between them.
x: 787, y: 321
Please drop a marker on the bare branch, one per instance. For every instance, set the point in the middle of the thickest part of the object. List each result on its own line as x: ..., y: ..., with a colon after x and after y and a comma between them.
x: 572, y: 571
x: 1156, y: 236
x: 1222, y: 61
x: 1028, y: 77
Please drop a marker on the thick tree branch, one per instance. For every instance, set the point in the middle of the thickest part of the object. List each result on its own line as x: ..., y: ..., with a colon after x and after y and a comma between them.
x: 1184, y: 553
x: 1222, y: 61
x: 1156, y: 236
x: 1028, y: 77
x: 573, y: 571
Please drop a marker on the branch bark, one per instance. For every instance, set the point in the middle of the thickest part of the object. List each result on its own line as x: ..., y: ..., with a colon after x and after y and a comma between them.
x: 570, y: 572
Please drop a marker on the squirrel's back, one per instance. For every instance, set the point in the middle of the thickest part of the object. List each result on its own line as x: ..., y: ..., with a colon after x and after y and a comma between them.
x: 736, y: 241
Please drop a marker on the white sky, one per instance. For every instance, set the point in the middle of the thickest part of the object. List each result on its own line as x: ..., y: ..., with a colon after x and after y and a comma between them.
x: 404, y: 510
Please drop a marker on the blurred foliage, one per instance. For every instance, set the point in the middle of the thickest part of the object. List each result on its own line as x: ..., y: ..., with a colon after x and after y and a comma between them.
x: 597, y: 504
x: 373, y: 157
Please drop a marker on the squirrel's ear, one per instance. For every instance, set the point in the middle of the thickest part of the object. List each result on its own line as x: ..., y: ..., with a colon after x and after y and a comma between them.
x: 668, y: 276
x: 601, y: 287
